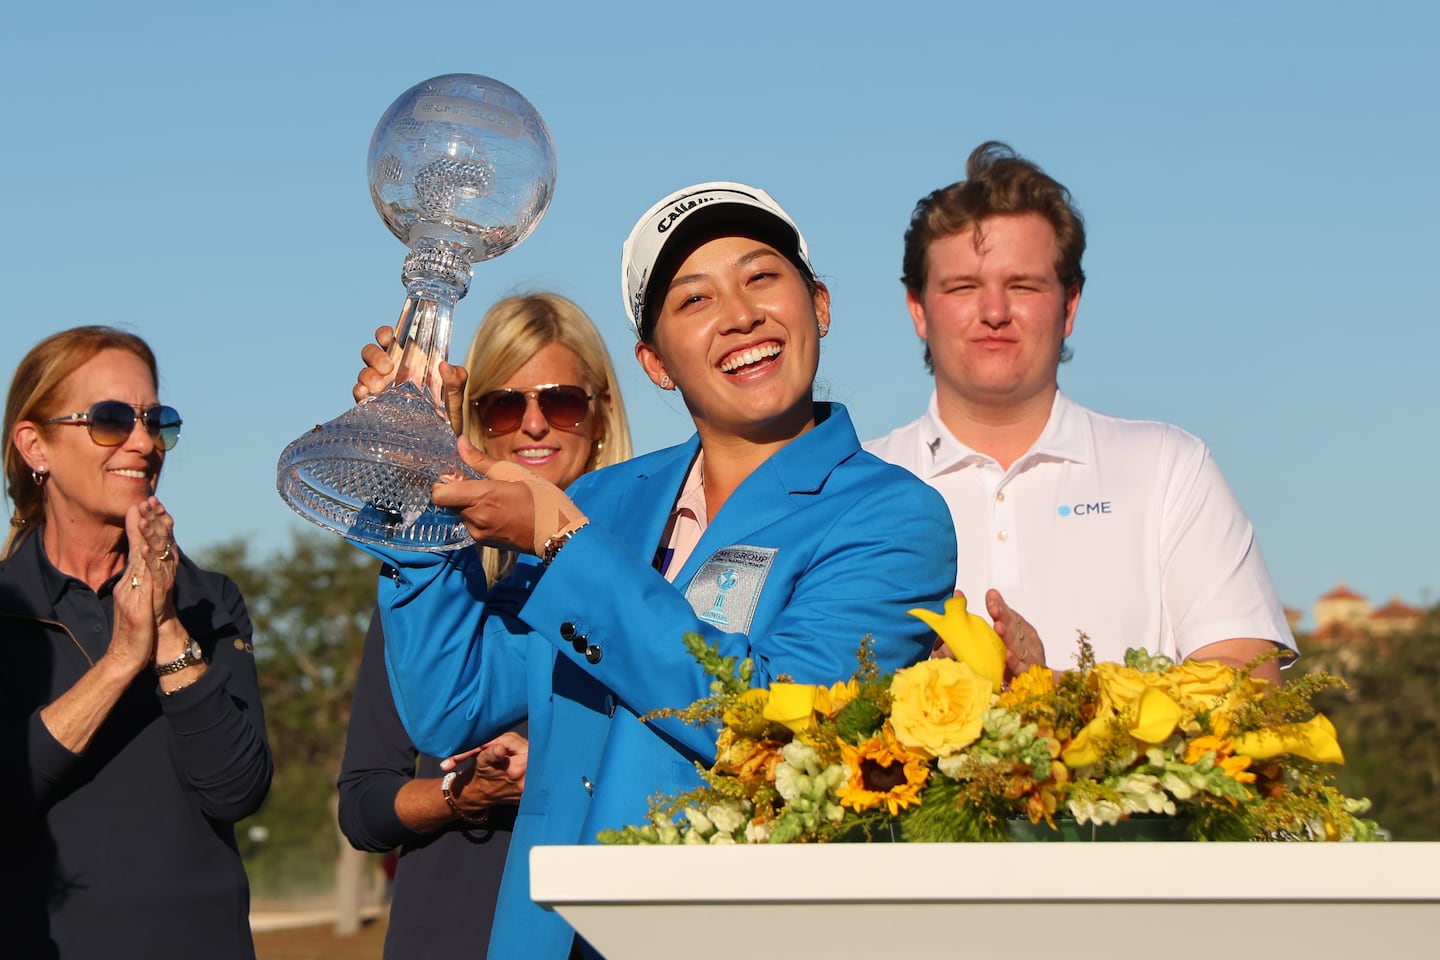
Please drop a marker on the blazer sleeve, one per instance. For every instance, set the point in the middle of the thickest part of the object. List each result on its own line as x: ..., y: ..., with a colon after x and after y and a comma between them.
x: 454, y: 649
x: 379, y: 757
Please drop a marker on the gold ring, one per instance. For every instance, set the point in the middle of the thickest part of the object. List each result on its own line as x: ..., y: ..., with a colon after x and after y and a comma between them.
x: 134, y: 581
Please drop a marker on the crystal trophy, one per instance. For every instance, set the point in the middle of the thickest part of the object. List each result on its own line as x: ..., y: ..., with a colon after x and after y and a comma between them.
x: 461, y: 169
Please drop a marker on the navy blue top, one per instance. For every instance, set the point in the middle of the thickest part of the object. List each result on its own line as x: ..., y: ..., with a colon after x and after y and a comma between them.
x: 127, y: 850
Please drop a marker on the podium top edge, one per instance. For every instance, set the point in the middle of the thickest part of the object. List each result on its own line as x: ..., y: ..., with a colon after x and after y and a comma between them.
x: 989, y: 872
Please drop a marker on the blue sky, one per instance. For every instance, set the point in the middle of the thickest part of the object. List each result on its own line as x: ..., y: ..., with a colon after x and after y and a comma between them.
x: 1258, y: 182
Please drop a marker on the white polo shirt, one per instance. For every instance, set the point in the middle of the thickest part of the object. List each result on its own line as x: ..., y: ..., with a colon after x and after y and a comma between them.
x: 1122, y: 529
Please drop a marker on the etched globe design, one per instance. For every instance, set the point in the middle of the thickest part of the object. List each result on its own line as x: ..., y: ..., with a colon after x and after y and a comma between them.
x: 464, y: 161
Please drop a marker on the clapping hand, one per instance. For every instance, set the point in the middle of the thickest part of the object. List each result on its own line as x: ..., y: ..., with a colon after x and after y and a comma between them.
x: 1023, y: 648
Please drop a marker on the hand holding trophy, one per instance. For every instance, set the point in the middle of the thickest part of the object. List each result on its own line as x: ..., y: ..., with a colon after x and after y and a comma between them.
x: 461, y: 169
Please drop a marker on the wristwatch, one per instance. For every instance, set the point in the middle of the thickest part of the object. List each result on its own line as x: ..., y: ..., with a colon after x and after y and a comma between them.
x: 553, y: 545
x: 189, y: 658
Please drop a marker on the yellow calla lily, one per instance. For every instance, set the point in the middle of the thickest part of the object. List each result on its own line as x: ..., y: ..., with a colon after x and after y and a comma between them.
x: 792, y: 704
x: 745, y: 719
x: 969, y: 638
x: 1314, y: 740
x: 1156, y: 715
x: 1084, y: 747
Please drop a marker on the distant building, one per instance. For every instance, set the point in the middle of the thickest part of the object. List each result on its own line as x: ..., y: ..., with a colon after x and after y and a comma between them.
x: 1395, y: 617
x: 1343, y: 614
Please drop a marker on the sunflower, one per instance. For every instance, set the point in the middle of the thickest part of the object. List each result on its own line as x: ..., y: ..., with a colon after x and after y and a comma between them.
x: 881, y: 772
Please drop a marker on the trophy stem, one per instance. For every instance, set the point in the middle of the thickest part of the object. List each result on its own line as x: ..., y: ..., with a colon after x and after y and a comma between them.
x: 367, y: 474
x: 435, y: 278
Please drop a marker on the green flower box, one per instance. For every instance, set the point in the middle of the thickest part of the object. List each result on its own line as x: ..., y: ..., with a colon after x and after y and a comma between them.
x: 1066, y: 830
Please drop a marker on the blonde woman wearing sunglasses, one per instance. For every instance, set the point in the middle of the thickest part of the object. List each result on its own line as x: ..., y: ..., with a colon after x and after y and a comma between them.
x: 130, y: 717
x: 543, y: 394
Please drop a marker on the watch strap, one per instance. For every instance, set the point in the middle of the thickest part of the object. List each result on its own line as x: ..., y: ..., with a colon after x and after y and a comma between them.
x: 553, y: 544
x: 189, y: 657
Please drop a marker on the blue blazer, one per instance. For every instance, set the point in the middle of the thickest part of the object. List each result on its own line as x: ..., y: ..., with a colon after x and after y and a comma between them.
x: 821, y: 546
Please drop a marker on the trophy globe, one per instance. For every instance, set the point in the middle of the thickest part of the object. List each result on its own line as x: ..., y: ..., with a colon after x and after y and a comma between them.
x: 461, y: 169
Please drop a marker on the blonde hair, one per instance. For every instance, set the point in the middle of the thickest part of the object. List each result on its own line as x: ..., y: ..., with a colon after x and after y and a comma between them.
x: 513, y: 331
x: 34, y: 395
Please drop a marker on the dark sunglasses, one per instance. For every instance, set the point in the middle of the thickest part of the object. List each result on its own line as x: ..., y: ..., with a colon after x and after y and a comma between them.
x: 112, y: 421
x: 563, y: 405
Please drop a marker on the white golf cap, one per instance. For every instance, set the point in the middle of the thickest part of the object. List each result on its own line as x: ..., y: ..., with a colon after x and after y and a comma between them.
x: 705, y: 205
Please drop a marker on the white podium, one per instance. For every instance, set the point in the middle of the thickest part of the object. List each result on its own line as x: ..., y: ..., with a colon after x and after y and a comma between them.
x: 997, y: 901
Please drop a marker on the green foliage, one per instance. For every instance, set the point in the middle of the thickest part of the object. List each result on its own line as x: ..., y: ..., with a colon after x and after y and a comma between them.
x: 1388, y: 721
x: 730, y: 677
x: 948, y: 814
x: 310, y: 603
x: 859, y: 719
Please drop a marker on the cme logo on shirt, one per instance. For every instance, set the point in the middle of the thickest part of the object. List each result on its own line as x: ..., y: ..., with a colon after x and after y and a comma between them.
x: 1084, y: 509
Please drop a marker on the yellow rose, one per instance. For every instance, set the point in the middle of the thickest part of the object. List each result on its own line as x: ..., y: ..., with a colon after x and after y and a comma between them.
x: 791, y: 704
x: 1120, y: 686
x: 937, y: 707
x: 1203, y: 682
x: 1314, y: 740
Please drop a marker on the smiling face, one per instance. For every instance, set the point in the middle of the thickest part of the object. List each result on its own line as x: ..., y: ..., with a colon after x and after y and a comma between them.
x: 995, y: 318
x: 558, y: 454
x: 737, y: 334
x: 90, y: 484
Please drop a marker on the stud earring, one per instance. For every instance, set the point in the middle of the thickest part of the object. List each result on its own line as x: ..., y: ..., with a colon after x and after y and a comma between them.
x: 40, y: 474
x: 665, y: 382
x: 824, y: 329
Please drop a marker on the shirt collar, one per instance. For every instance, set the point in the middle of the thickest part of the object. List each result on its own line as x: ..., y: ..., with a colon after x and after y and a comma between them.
x: 1064, y: 438
x: 692, y: 494
x: 53, y: 583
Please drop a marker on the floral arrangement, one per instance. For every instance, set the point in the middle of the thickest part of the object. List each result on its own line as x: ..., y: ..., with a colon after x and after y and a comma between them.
x: 945, y: 751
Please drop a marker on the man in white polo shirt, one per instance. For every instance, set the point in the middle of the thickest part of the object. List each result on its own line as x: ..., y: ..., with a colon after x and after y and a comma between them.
x: 1122, y: 529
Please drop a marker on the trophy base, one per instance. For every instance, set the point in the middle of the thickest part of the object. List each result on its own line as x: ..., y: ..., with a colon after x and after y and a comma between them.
x: 367, y: 474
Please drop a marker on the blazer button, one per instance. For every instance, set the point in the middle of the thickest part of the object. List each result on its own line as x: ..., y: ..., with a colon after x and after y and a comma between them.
x: 567, y: 631
x: 593, y: 654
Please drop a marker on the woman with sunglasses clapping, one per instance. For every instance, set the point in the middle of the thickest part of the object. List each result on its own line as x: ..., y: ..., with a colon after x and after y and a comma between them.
x: 543, y: 394
x: 769, y: 534
x: 132, y: 728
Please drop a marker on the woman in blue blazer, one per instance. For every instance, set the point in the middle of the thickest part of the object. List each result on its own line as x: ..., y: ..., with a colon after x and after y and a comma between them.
x: 770, y: 533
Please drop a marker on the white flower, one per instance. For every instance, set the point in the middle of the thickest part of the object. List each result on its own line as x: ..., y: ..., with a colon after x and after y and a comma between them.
x: 801, y: 756
x: 665, y: 827
x: 1084, y: 810
x: 727, y: 819
x: 699, y: 822
x: 790, y: 783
